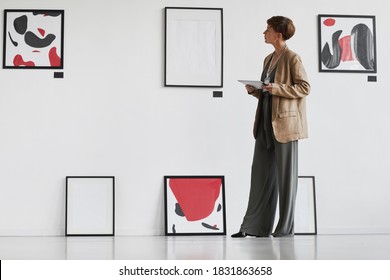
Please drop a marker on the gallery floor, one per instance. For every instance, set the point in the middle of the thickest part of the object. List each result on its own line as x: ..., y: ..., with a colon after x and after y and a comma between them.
x: 324, y: 247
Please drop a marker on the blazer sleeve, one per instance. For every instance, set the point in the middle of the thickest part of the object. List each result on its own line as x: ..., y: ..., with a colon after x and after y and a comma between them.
x: 291, y: 80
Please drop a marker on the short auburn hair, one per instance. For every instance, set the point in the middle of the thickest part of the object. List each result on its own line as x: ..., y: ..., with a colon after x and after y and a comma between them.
x: 282, y: 25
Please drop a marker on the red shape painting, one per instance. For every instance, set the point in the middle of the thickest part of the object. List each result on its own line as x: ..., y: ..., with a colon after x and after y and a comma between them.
x: 33, y: 39
x: 196, y: 197
x: 195, y: 205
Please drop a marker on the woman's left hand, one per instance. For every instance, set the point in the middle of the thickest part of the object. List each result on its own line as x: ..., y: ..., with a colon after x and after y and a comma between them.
x: 268, y: 87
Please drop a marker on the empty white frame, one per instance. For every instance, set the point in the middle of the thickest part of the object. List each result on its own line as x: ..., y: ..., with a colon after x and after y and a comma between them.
x: 305, y: 216
x: 90, y: 205
x: 305, y: 219
x: 193, y: 47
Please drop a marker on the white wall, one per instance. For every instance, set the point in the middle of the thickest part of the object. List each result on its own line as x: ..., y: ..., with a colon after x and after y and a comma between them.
x: 111, y: 115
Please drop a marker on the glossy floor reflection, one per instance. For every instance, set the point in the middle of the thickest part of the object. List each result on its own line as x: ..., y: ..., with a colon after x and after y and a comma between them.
x: 326, y: 247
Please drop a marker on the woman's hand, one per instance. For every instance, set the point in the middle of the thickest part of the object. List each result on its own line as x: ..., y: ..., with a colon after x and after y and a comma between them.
x: 267, y: 87
x: 250, y: 89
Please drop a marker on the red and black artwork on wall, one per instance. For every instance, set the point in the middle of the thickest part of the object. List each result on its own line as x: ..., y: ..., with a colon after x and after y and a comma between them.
x: 195, y: 205
x: 347, y: 43
x: 33, y: 39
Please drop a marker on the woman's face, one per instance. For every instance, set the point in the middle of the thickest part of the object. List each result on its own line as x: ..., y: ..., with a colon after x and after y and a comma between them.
x: 270, y: 35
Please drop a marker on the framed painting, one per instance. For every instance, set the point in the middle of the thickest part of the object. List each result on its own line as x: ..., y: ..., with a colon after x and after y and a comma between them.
x: 193, y: 47
x: 347, y: 43
x: 33, y: 39
x: 90, y: 206
x: 195, y: 205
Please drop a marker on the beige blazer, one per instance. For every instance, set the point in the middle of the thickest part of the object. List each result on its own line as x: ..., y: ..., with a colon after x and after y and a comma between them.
x: 289, y: 92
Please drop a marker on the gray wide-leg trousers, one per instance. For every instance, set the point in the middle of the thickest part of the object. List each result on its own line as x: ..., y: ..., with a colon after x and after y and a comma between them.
x: 274, y: 174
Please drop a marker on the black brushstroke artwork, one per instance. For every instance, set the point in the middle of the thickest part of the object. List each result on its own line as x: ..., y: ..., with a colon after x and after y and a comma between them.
x: 209, y: 226
x: 50, y: 14
x: 174, y: 228
x: 20, y: 24
x: 178, y: 210
x: 12, y: 41
x: 34, y: 41
x: 363, y: 42
x: 219, y: 208
x: 329, y: 60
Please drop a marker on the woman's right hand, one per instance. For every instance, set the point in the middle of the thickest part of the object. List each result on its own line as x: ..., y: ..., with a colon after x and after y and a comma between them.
x: 250, y: 89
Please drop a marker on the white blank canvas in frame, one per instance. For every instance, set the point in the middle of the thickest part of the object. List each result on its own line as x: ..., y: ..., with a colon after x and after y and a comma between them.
x: 90, y: 206
x: 305, y: 218
x: 305, y: 211
x: 193, y: 47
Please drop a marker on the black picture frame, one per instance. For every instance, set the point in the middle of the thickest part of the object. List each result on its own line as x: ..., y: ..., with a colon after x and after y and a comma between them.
x: 90, y: 206
x: 195, y: 205
x: 347, y: 43
x: 305, y: 220
x: 33, y: 39
x: 305, y: 214
x: 193, y: 47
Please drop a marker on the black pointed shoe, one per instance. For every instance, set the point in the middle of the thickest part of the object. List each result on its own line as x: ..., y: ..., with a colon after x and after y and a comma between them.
x: 239, y: 234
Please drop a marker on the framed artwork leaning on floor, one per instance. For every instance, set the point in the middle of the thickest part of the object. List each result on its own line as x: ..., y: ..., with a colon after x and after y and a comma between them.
x: 90, y: 206
x: 195, y: 205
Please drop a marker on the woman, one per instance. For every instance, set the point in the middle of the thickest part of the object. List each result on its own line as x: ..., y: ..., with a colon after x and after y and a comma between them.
x: 280, y: 122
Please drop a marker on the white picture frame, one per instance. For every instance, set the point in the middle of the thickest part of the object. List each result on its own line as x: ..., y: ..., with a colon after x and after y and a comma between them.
x: 305, y: 219
x: 90, y: 206
x: 305, y: 215
x: 193, y: 47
